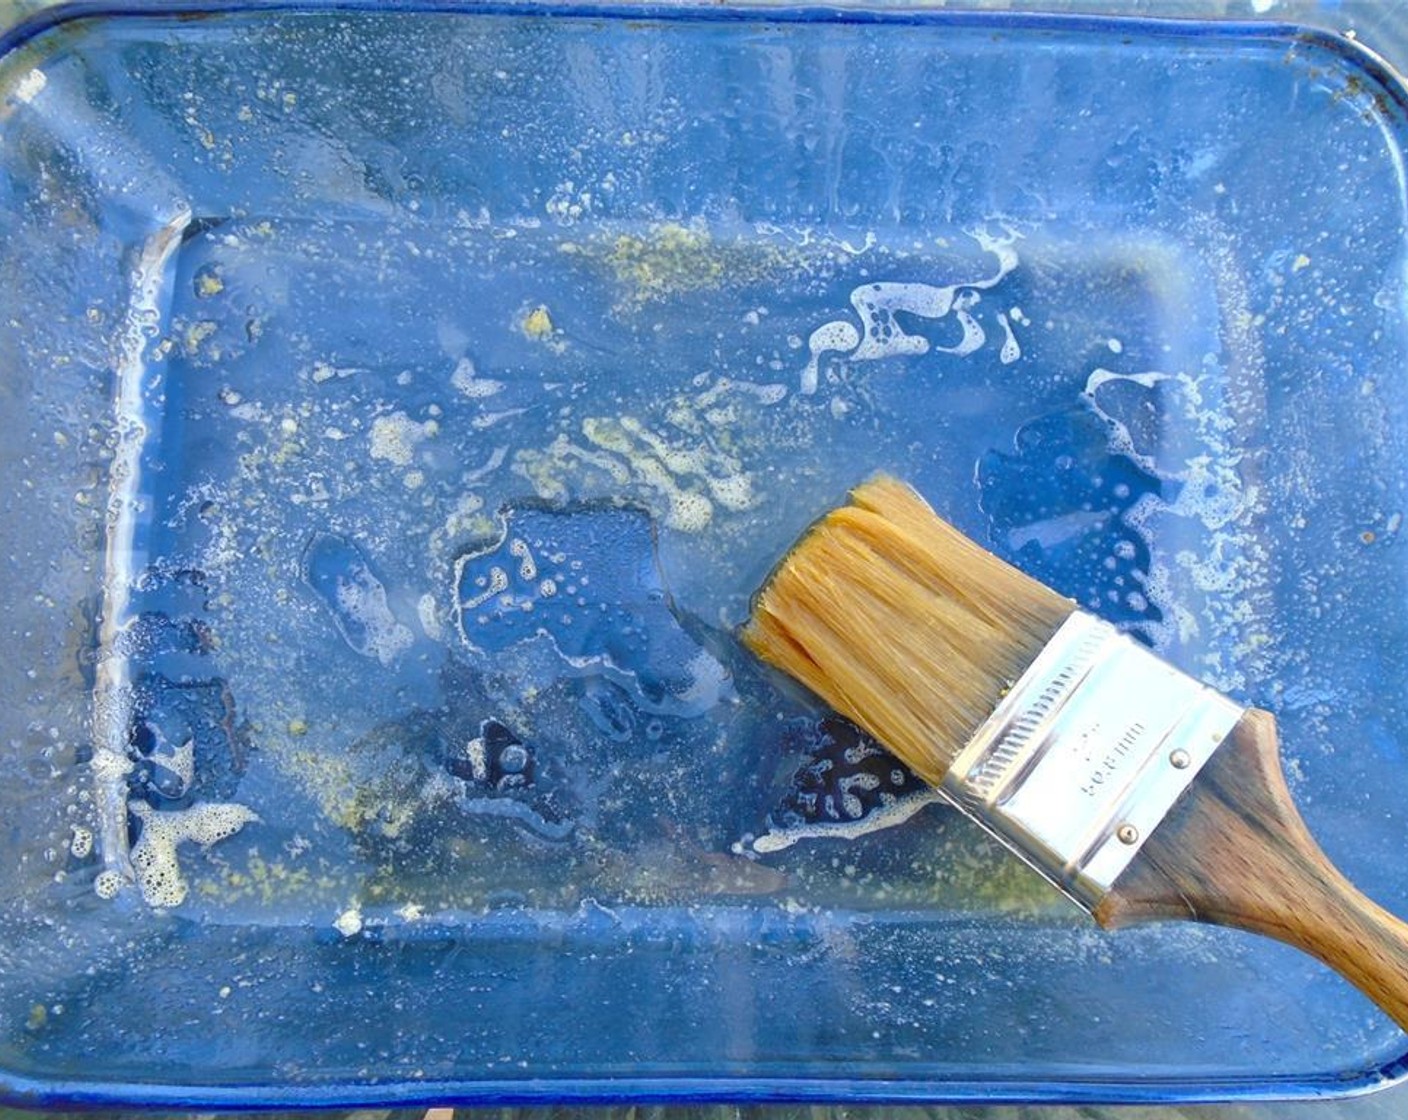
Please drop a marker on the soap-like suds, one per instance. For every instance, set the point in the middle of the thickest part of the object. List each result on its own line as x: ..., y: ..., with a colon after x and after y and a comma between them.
x: 973, y: 334
x: 1211, y: 487
x: 394, y: 437
x: 891, y: 815
x: 80, y: 845
x: 108, y: 885
x: 154, y: 856
x: 349, y: 922
x: 687, y: 477
x: 1197, y: 448
x: 880, y: 335
x: 466, y: 379
x: 527, y: 566
x: 429, y: 619
x: 675, y: 471
x: 835, y: 337
x: 495, y: 584
x: 1011, y: 349
x: 363, y: 599
x: 30, y: 86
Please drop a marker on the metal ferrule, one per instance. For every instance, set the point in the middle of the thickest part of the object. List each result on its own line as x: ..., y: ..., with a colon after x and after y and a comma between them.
x: 1086, y: 754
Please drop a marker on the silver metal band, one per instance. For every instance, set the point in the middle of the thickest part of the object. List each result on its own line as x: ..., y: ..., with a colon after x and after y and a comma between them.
x: 1086, y: 754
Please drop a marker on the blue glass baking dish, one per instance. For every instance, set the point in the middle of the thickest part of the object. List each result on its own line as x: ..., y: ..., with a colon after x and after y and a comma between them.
x: 400, y: 406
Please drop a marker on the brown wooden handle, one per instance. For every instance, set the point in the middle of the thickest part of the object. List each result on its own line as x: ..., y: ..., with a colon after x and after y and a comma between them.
x: 1234, y: 852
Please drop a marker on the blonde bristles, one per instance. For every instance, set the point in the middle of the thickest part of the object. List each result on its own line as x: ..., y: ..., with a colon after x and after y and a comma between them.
x: 902, y: 624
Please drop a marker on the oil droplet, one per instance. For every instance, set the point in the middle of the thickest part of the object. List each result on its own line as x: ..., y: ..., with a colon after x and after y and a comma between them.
x: 537, y: 324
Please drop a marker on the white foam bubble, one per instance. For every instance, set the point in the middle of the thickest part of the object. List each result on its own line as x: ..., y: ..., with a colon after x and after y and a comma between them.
x: 887, y: 816
x: 880, y: 335
x: 81, y: 843
x: 429, y: 618
x: 108, y: 885
x: 733, y: 491
x: 154, y: 856
x: 395, y: 435
x: 527, y: 566
x: 838, y: 336
x: 1011, y: 348
x: 362, y: 599
x: 466, y: 379
x: 349, y: 922
x: 973, y: 334
x: 690, y: 512
x: 496, y: 584
x: 30, y: 86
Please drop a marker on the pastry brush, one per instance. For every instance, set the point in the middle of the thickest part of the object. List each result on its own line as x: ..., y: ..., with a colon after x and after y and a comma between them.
x: 1138, y: 791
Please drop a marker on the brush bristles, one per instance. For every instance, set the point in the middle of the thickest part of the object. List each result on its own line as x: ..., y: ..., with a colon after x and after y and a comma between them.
x: 902, y: 624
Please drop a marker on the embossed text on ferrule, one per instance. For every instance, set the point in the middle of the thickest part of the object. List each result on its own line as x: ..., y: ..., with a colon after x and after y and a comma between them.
x: 1107, y: 767
x: 1077, y: 763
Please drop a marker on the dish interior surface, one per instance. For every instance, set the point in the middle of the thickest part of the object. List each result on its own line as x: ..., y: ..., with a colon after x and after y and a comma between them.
x: 400, y: 408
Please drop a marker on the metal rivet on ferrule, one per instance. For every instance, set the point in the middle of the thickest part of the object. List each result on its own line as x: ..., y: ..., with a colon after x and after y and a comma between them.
x: 1087, y: 753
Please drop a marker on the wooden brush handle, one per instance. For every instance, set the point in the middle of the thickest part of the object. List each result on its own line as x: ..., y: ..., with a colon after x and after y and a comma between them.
x: 1234, y: 852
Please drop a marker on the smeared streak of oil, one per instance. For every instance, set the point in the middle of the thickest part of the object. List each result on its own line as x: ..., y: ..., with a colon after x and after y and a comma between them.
x: 679, y: 473
x: 1072, y: 501
x: 1203, y: 462
x: 112, y: 685
x: 342, y: 578
x: 846, y: 786
x: 657, y: 463
x: 880, y: 334
x: 495, y: 759
x: 1065, y: 505
x: 182, y: 730
x: 669, y: 260
x: 677, y: 869
x: 520, y: 814
x: 586, y: 579
x: 1175, y: 425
